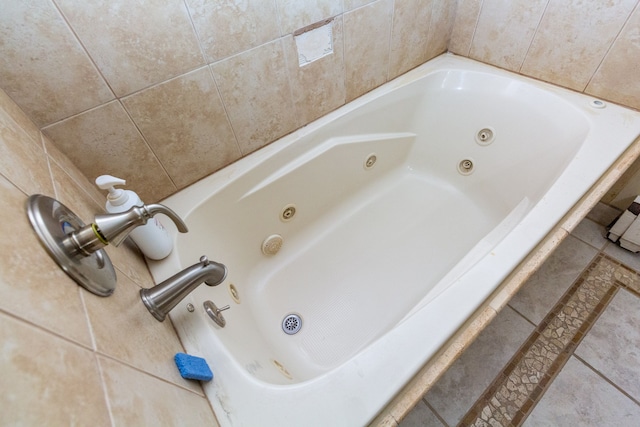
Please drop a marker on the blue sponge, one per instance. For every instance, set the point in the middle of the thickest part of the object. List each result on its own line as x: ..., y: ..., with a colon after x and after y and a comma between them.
x: 193, y: 367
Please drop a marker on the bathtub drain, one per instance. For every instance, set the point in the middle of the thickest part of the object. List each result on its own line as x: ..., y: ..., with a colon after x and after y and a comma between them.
x: 291, y: 324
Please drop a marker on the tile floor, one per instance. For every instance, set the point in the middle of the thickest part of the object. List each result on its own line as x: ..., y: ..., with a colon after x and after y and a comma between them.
x: 565, y: 351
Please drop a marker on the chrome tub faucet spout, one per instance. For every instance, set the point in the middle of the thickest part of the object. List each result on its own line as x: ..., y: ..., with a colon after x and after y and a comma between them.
x: 160, y: 299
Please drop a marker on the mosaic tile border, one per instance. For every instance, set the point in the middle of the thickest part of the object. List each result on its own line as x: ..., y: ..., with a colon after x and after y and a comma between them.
x: 522, y: 383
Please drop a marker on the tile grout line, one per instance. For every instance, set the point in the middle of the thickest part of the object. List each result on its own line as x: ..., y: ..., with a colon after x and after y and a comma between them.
x: 553, y: 336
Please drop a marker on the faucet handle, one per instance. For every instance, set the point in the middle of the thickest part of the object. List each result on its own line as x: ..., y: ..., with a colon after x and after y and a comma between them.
x: 204, y: 260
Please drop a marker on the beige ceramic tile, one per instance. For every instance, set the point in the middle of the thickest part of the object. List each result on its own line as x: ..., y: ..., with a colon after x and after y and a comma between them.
x: 23, y: 160
x: 148, y: 345
x: 228, y: 27
x: 572, y: 40
x: 366, y: 44
x: 295, y: 14
x: 47, y: 381
x: 138, y: 399
x: 10, y: 108
x: 32, y: 286
x: 318, y: 87
x: 616, y: 79
x: 256, y: 92
x: 185, y: 123
x: 464, y: 26
x: 135, y: 44
x: 505, y: 31
x: 44, y: 68
x: 409, y: 35
x: 105, y: 141
x: 442, y: 19
x: 74, y: 173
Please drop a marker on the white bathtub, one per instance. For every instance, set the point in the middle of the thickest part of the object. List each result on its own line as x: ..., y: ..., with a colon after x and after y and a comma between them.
x: 382, y: 264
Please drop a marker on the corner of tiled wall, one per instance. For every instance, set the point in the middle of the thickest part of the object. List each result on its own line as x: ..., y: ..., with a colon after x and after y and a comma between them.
x: 70, y: 357
x: 588, y: 46
x: 163, y: 94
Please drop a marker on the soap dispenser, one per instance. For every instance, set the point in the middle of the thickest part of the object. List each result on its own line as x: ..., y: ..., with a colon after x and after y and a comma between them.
x: 152, y: 238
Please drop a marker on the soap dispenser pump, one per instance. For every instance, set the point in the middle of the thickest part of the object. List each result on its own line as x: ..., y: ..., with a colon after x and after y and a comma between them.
x: 152, y: 238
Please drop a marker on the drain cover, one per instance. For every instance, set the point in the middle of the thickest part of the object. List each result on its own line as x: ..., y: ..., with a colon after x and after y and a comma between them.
x: 291, y: 324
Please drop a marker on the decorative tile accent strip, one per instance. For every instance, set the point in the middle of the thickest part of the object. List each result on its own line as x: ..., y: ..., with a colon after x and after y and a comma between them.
x: 523, y: 381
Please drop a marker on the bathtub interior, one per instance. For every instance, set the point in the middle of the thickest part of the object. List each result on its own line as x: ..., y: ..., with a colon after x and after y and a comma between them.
x: 368, y: 245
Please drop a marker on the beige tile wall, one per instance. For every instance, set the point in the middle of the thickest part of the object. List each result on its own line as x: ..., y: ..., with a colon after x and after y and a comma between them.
x: 586, y: 45
x: 69, y: 357
x: 165, y: 92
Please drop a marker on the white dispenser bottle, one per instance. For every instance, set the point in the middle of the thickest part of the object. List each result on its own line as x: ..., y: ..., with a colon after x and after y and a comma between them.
x: 152, y: 238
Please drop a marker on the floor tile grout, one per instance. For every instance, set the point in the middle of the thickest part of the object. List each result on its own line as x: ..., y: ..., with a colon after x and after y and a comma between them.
x: 605, y: 266
x: 508, y: 395
x: 601, y: 375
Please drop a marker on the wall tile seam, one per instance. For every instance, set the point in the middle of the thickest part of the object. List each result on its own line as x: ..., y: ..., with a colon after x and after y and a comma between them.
x: 85, y: 50
x: 80, y: 186
x: 475, y: 27
x: 105, y: 389
x: 533, y: 37
x: 390, y: 42
x: 95, y: 351
x: 615, y: 39
x: 226, y: 112
x: 149, y: 146
x: 99, y: 354
x: 42, y: 328
x: 287, y: 70
x: 278, y: 19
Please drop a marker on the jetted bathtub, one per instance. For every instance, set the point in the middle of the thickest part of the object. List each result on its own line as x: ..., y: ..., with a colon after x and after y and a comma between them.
x: 359, y: 244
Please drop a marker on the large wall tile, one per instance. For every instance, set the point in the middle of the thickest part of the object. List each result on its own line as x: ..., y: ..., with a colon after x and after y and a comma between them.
x: 505, y: 30
x: 47, y: 381
x: 409, y: 35
x: 148, y: 345
x: 616, y: 79
x: 256, y: 93
x: 185, y: 123
x: 79, y: 179
x: 32, y: 286
x: 296, y: 14
x: 318, y: 87
x: 105, y: 141
x: 10, y: 109
x: 44, y: 68
x: 573, y: 38
x: 138, y: 399
x: 442, y: 18
x: 227, y: 27
x: 464, y: 26
x: 366, y: 44
x: 23, y: 160
x: 135, y: 44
